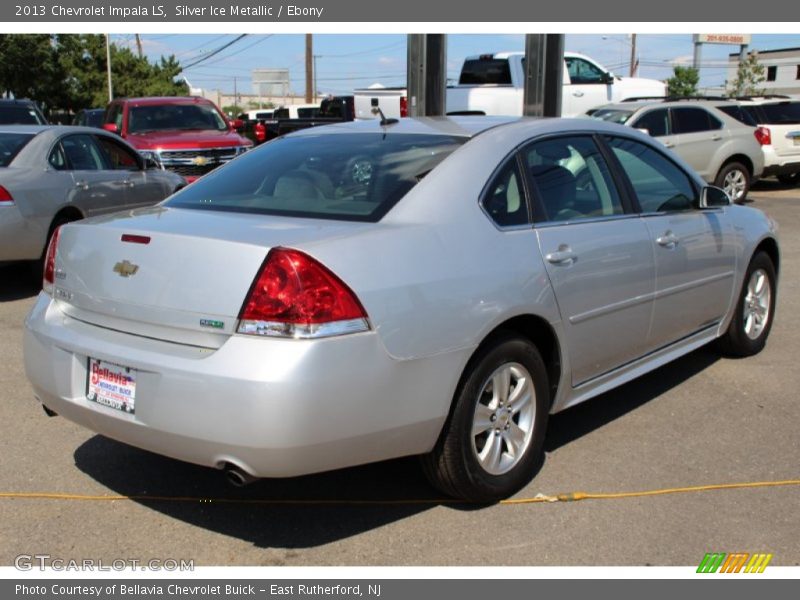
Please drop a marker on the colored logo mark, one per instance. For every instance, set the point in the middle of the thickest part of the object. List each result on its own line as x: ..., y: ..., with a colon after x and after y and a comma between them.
x: 734, y: 563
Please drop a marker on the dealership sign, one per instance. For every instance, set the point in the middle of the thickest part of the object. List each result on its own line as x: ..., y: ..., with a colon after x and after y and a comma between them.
x: 740, y: 39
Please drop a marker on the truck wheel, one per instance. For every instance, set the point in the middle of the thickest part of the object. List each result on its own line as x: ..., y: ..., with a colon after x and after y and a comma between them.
x: 734, y: 178
x: 491, y: 445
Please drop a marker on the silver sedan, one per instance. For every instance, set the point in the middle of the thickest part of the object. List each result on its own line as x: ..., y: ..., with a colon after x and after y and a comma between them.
x: 359, y: 292
x: 51, y: 175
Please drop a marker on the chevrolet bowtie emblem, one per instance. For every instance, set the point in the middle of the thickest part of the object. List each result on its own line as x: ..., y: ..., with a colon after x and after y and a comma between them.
x: 125, y: 268
x: 200, y: 161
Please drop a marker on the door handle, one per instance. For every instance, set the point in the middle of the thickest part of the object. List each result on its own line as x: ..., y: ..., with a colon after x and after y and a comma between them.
x: 564, y: 255
x: 578, y: 94
x: 716, y: 138
x: 82, y: 185
x: 128, y: 183
x: 668, y: 240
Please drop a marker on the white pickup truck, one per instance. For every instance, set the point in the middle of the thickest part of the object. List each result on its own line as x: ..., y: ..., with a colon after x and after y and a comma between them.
x: 492, y: 84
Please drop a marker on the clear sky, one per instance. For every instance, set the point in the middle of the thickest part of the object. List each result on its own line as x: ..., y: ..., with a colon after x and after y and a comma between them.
x: 349, y: 61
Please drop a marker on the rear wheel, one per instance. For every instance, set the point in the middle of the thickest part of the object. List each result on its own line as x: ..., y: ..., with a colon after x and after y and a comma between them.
x: 492, y: 443
x: 752, y: 320
x: 734, y: 178
x: 789, y: 179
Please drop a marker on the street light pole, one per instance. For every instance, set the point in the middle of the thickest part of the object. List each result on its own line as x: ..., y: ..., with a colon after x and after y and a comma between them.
x: 108, y: 68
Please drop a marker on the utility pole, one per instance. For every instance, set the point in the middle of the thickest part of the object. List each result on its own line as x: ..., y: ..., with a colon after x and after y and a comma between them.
x: 316, y: 56
x: 309, y: 66
x: 108, y: 68
x: 139, y: 44
x: 634, y: 66
x: 235, y: 93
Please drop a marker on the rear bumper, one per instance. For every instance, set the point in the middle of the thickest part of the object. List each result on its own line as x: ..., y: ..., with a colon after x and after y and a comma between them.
x: 273, y: 407
x: 774, y: 164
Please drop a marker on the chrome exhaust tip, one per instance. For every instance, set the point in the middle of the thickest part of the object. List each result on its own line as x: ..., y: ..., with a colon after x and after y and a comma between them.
x: 237, y: 477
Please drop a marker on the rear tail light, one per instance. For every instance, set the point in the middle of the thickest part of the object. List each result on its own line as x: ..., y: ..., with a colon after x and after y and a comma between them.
x: 295, y: 296
x: 403, y: 106
x: 764, y: 136
x: 49, y: 277
x: 260, y: 131
x: 6, y: 199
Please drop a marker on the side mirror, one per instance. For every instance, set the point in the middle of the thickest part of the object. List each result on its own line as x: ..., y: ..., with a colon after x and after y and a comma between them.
x: 644, y: 130
x: 607, y: 78
x: 237, y: 124
x: 112, y: 127
x: 714, y: 197
x: 151, y: 163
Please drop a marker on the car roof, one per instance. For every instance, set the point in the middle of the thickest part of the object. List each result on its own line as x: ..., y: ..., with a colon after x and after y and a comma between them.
x: 54, y: 129
x: 165, y: 100
x: 460, y: 126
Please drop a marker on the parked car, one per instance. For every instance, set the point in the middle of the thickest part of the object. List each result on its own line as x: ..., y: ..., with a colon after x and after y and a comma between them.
x: 359, y: 292
x: 51, y: 175
x: 493, y: 84
x: 20, y: 111
x: 721, y: 149
x: 187, y: 135
x: 89, y: 117
x: 778, y: 122
x: 334, y: 109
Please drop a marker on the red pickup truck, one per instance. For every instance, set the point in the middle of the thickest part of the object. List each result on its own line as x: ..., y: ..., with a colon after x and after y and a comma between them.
x: 187, y: 135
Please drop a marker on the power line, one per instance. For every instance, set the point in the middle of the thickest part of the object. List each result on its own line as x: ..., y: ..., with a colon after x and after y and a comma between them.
x: 266, y: 37
x: 217, y: 51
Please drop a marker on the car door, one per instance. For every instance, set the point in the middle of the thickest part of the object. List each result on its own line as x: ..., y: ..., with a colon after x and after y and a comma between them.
x: 597, y: 254
x: 141, y: 188
x: 587, y: 88
x: 700, y: 135
x: 694, y: 250
x: 656, y: 122
x: 95, y: 187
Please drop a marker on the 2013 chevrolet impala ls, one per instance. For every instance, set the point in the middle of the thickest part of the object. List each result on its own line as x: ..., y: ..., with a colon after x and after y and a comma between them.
x: 365, y: 291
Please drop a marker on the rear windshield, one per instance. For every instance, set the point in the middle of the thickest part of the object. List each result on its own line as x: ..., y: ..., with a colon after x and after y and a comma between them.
x: 482, y: 71
x: 164, y: 117
x: 19, y: 115
x: 612, y: 115
x: 11, y: 144
x: 787, y: 113
x: 348, y: 176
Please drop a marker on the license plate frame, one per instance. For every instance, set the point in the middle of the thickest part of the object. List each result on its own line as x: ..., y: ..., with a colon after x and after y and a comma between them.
x: 112, y: 385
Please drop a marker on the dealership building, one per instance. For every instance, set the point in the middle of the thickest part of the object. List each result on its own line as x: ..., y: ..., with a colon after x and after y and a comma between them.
x: 781, y: 69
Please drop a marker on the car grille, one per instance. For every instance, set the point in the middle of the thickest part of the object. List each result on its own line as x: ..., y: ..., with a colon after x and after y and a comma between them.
x: 198, y: 161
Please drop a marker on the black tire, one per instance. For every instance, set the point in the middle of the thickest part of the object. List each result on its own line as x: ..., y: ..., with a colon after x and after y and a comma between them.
x: 453, y: 466
x: 736, y: 341
x: 789, y: 179
x: 736, y: 170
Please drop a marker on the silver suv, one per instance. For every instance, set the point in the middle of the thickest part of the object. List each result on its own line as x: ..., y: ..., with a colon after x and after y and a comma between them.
x: 723, y: 151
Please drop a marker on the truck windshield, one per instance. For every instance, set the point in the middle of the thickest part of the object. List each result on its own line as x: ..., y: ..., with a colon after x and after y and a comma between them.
x: 11, y: 144
x: 481, y: 71
x: 162, y: 117
x: 343, y: 176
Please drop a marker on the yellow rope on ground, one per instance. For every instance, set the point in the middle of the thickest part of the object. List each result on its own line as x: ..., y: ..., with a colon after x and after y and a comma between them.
x: 570, y: 497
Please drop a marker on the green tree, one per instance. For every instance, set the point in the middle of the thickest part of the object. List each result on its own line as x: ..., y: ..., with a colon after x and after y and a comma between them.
x: 28, y: 66
x: 749, y: 75
x: 683, y: 81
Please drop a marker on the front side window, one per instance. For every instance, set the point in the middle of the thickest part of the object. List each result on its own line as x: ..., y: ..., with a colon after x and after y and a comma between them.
x: 343, y: 176
x: 660, y: 185
x: 582, y: 71
x: 694, y: 120
x: 571, y: 179
x: 118, y: 157
x: 504, y: 201
x: 656, y: 122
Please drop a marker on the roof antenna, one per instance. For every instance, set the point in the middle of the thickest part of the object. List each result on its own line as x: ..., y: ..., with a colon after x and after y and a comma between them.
x: 376, y: 110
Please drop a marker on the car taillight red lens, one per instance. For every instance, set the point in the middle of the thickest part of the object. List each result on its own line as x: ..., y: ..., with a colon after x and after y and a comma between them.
x: 296, y: 296
x: 50, y: 262
x: 260, y: 131
x: 764, y: 136
x: 403, y: 106
x: 6, y: 199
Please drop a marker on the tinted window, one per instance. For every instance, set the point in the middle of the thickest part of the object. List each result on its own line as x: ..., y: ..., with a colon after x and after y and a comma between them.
x: 22, y: 115
x: 57, y: 159
x: 692, y: 120
x: 739, y: 114
x: 482, y: 71
x: 612, y: 115
x: 571, y: 179
x: 117, y: 156
x: 161, y: 117
x: 505, y: 197
x: 347, y: 176
x: 114, y: 115
x: 582, y: 71
x: 11, y: 144
x: 82, y: 153
x: 782, y: 113
x: 280, y: 113
x: 656, y: 122
x: 660, y: 185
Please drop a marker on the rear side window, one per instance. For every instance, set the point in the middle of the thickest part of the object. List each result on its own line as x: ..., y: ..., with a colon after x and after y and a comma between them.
x: 505, y: 198
x: 571, y: 179
x: 656, y: 122
x: 783, y: 113
x: 344, y: 176
x: 693, y: 120
x: 738, y: 113
x: 660, y: 185
x: 11, y: 144
x: 485, y: 71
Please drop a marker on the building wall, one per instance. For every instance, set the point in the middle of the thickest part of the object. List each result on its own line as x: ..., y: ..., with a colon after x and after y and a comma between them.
x: 787, y: 72
x: 225, y: 99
